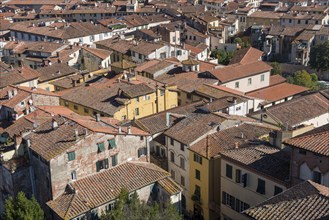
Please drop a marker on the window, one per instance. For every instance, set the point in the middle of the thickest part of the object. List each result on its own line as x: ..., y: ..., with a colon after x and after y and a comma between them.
x: 182, y: 147
x: 73, y: 175
x: 277, y: 190
x: 182, y: 181
x: 141, y: 151
x: 198, y: 158
x: 189, y: 96
x: 114, y: 160
x: 110, y: 206
x: 86, y: 110
x: 71, y: 155
x: 245, y: 179
x: 112, y: 143
x: 171, y: 141
x: 234, y: 203
x: 161, y: 92
x: 229, y: 171
x: 66, y: 103
x: 123, y: 117
x: 172, y: 174
x: 262, y: 77
x: 237, y: 84
x: 197, y: 191
x: 100, y: 147
x: 261, y: 186
x: 238, y: 176
x: 172, y: 157
x: 317, y: 177
x: 75, y: 107
x: 102, y: 164
x: 197, y: 174
x: 182, y: 163
x: 249, y: 81
x: 137, y: 99
x: 136, y: 111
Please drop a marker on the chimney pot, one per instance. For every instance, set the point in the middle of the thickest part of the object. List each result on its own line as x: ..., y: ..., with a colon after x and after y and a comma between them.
x: 129, y: 129
x: 98, y: 117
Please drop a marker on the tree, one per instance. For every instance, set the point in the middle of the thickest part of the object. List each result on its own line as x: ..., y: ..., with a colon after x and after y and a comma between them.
x: 134, y: 209
x: 319, y: 57
x: 243, y: 44
x: 303, y: 78
x: 276, y: 69
x: 22, y: 208
x: 224, y: 57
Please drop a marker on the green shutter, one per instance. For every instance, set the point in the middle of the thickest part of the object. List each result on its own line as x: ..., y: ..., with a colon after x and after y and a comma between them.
x: 71, y: 156
x: 106, y: 163
x: 97, y: 166
x: 114, y: 160
x: 100, y: 147
x: 112, y: 143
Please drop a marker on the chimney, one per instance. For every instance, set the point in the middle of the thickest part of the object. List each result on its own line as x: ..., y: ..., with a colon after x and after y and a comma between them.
x: 9, y: 94
x: 129, y: 129
x: 54, y: 124
x: 210, y: 100
x: 242, y: 135
x: 119, y: 129
x: 76, y: 134
x: 168, y: 119
x: 86, y: 131
x: 74, y: 83
x: 14, y: 92
x: 98, y: 117
x: 28, y: 143
x: 236, y: 145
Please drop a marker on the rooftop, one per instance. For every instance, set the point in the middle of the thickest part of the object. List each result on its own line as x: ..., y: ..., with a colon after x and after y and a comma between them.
x: 269, y: 161
x: 98, y: 189
x: 316, y: 141
x: 307, y: 200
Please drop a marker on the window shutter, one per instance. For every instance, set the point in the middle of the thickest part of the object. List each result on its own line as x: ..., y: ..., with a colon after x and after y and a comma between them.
x: 100, y: 147
x: 98, y: 166
x: 245, y: 179
x: 112, y: 143
x: 237, y: 176
x: 106, y: 163
x: 224, y: 198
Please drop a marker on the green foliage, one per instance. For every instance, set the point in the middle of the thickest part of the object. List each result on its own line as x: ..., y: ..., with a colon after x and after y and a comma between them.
x: 134, y: 209
x: 319, y: 57
x: 303, y: 78
x: 243, y: 44
x: 224, y: 57
x: 21, y: 208
x: 276, y: 69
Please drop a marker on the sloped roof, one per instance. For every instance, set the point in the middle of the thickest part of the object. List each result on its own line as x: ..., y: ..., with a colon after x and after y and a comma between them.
x: 95, y: 190
x: 262, y: 158
x: 246, y: 55
x: 299, y: 110
x: 307, y: 200
x: 316, y: 141
x: 238, y: 71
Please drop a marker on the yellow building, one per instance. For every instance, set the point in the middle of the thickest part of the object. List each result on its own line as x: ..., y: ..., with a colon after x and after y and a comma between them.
x: 120, y: 99
x: 205, y: 166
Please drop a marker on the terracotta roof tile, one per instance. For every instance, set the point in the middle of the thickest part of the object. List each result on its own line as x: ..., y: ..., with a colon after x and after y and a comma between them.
x: 277, y: 92
x: 103, y: 187
x: 54, y: 71
x: 229, y: 138
x: 307, y: 200
x: 193, y: 126
x: 316, y: 141
x: 299, y: 110
x: 262, y: 158
x: 238, y: 71
x: 247, y: 55
x: 103, y: 54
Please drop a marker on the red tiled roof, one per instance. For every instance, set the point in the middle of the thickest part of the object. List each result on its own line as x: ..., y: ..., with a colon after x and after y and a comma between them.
x: 307, y: 200
x: 277, y: 92
x: 238, y: 71
x: 247, y: 55
x: 98, y: 189
x: 316, y: 141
